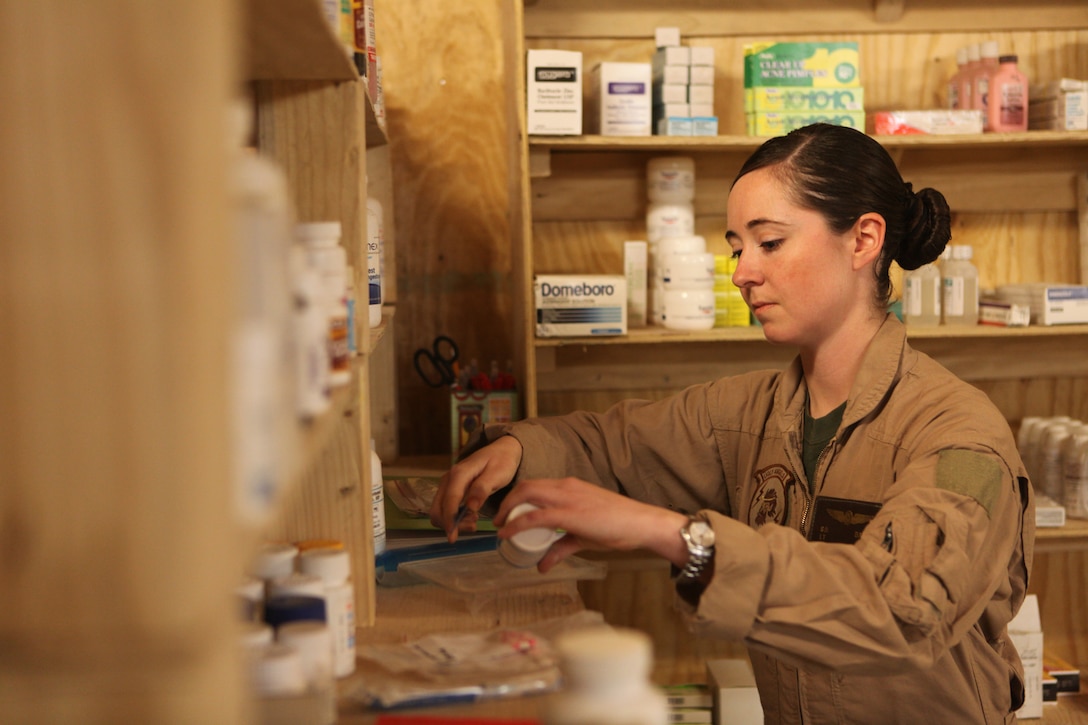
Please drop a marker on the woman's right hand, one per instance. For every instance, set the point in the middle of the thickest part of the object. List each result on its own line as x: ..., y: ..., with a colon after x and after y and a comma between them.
x: 471, y: 481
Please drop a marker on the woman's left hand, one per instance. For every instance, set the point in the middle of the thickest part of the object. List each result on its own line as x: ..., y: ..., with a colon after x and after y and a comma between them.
x: 592, y: 518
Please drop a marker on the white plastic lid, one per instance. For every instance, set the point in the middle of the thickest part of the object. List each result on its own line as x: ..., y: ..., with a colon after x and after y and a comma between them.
x: 278, y: 671
x: 318, y: 233
x: 304, y: 584
x: 331, y: 566
x: 961, y: 56
x: 251, y: 589
x: 274, y: 561
x: 596, y: 657
x: 528, y: 547
x: 974, y: 52
x: 989, y: 49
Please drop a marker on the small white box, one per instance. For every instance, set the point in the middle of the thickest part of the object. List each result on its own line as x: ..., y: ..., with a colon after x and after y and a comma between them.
x: 1051, y: 89
x: 1002, y: 313
x: 1066, y: 111
x: 702, y: 110
x: 635, y: 263
x: 700, y: 94
x: 670, y: 93
x: 704, y: 126
x: 622, y: 102
x: 701, y: 75
x: 702, y: 55
x: 1051, y: 304
x: 672, y: 110
x: 672, y: 74
x: 1026, y: 633
x: 576, y: 304
x: 673, y: 126
x: 664, y: 37
x: 671, y: 55
x: 736, y: 699
x: 554, y: 92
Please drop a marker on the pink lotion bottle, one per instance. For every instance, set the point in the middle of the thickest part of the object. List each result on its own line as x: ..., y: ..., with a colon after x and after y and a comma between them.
x: 980, y: 92
x: 1007, y: 109
x: 956, y: 80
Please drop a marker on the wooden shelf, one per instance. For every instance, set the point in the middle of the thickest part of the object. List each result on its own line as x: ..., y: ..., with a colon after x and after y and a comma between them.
x: 1073, y: 536
x: 747, y: 144
x: 754, y: 333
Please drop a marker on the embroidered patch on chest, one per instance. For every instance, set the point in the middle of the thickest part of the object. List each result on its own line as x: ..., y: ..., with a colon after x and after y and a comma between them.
x: 771, y: 502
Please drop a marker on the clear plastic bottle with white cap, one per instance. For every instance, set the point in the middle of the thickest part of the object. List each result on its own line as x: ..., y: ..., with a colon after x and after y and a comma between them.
x: 333, y: 568
x: 606, y: 680
x: 959, y: 281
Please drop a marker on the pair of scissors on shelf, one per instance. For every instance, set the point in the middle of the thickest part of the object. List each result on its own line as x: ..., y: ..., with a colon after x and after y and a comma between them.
x: 439, y: 365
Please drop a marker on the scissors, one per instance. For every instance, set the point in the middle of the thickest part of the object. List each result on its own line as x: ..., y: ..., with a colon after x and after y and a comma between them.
x: 438, y: 366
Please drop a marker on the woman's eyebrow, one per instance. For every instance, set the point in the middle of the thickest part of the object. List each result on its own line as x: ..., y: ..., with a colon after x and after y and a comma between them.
x: 730, y: 234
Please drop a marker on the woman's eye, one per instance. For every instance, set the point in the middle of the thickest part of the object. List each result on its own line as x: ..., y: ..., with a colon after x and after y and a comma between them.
x: 770, y: 245
x: 735, y: 254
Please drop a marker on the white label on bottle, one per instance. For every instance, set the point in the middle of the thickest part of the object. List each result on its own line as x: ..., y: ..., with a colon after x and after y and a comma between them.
x: 912, y: 297
x: 953, y: 297
x: 1012, y: 104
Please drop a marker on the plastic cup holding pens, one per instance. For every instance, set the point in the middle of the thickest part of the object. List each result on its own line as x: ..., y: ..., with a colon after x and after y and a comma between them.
x: 526, y: 548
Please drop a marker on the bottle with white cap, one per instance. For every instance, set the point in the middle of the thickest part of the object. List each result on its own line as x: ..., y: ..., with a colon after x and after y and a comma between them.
x: 959, y: 281
x: 273, y: 561
x: 313, y: 641
x: 322, y: 243
x: 527, y: 548
x: 606, y: 680
x: 333, y: 568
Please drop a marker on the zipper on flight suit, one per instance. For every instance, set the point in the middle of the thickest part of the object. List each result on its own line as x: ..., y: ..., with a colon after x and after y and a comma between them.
x: 812, y: 485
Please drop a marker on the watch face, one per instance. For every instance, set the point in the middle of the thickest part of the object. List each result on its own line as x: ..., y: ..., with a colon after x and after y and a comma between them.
x: 701, y: 533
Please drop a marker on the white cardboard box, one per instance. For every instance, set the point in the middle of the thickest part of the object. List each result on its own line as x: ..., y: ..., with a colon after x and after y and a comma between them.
x: 622, y: 104
x: 1026, y: 632
x: 580, y: 304
x: 554, y: 92
x: 736, y: 699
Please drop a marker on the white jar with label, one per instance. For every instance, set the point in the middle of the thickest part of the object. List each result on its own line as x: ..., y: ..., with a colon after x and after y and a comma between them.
x: 333, y: 568
x: 310, y: 325
x: 670, y: 179
x: 688, y: 309
x: 668, y: 219
x: 688, y: 244
x: 606, y: 680
x: 322, y: 243
x: 687, y: 271
x: 313, y: 642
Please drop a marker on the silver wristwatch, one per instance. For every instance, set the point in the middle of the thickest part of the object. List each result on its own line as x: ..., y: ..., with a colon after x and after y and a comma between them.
x: 699, y: 538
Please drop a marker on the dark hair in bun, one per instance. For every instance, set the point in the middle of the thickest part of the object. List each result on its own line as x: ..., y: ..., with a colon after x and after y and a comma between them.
x: 842, y: 173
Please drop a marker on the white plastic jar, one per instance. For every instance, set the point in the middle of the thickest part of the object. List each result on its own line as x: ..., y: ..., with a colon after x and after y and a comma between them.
x: 687, y: 271
x: 665, y: 220
x: 688, y: 244
x: 670, y: 179
x: 332, y: 567
x: 527, y: 548
x: 322, y: 243
x: 688, y: 309
x: 606, y: 680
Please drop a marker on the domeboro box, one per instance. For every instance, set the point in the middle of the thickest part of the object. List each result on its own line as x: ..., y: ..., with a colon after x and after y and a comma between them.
x: 779, y: 124
x: 776, y: 99
x: 809, y: 65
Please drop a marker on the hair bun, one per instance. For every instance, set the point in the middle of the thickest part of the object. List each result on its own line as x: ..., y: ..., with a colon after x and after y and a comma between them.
x: 928, y: 228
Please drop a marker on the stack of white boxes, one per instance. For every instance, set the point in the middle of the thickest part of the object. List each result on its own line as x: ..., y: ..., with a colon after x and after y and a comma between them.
x: 1060, y: 105
x: 683, y: 87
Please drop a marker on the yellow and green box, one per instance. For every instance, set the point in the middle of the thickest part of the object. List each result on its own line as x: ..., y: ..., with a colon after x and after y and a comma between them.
x: 806, y: 65
x: 779, y: 124
x: 777, y: 99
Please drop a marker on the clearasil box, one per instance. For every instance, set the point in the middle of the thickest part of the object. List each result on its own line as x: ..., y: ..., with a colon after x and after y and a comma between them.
x: 580, y: 304
x: 810, y: 65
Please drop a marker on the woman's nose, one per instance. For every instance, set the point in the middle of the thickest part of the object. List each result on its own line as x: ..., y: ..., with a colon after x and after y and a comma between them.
x: 745, y: 273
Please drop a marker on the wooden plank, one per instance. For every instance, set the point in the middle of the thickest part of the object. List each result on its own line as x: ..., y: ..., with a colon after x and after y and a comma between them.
x: 382, y: 399
x: 615, y: 19
x: 120, y: 534
x: 291, y: 40
x: 888, y: 11
x: 1082, y: 224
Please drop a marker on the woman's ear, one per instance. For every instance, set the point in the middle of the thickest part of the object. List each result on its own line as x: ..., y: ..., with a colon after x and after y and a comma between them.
x: 868, y: 239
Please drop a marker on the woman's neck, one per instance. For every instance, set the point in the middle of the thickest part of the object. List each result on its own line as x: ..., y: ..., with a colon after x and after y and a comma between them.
x: 832, y: 366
